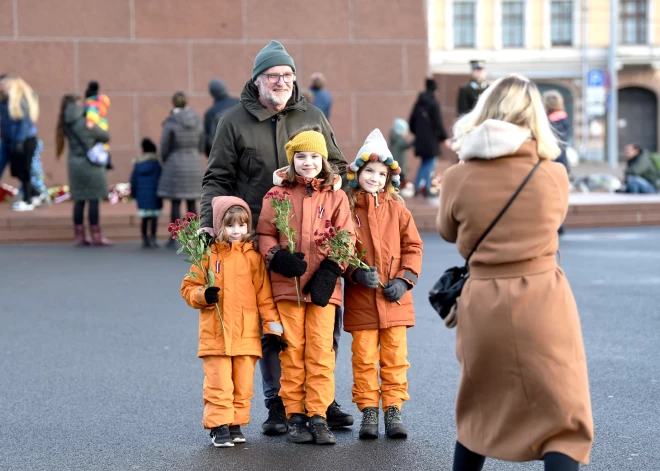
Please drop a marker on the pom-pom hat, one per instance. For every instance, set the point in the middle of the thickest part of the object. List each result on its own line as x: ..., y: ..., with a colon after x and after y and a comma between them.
x: 374, y: 149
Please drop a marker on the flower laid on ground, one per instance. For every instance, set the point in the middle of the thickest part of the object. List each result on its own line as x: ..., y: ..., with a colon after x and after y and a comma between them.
x: 185, y: 231
x: 59, y: 193
x: 119, y: 192
x: 281, y: 203
x: 7, y: 193
x: 340, y: 247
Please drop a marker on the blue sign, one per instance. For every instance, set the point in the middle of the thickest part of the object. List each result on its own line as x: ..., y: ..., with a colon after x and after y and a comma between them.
x: 595, y: 78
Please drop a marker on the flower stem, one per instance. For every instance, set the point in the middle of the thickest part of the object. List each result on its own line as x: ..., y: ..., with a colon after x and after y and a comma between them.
x: 222, y: 323
x: 381, y: 283
x: 297, y: 290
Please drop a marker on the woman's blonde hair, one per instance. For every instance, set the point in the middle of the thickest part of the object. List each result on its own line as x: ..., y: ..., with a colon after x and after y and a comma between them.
x: 17, y: 91
x: 516, y: 100
x: 553, y: 101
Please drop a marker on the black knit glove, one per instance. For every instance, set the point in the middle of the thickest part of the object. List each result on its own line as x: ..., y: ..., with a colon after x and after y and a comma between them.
x: 367, y: 278
x: 276, y: 342
x: 395, y: 289
x: 211, y: 295
x: 288, y: 264
x: 323, y: 281
x: 206, y: 238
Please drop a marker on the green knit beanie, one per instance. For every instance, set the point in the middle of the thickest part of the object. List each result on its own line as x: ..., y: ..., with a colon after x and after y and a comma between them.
x: 270, y: 56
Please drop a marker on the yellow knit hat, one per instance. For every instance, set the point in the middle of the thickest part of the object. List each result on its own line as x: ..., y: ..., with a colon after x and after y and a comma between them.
x: 306, y: 141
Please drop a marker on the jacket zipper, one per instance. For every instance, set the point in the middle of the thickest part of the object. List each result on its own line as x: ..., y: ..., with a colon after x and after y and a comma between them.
x: 309, y: 188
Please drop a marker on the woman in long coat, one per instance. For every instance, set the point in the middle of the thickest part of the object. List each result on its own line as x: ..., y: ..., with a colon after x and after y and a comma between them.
x: 524, y: 392
x: 87, y: 181
x: 181, y: 147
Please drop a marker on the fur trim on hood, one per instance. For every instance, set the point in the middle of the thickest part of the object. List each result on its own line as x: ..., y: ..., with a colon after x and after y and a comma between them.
x: 280, y: 174
x: 492, y: 139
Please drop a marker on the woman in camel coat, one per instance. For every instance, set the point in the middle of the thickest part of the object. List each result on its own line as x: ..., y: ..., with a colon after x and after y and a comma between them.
x: 524, y: 392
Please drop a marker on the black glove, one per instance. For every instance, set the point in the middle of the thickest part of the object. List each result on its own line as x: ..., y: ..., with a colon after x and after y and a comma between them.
x: 395, y: 289
x: 288, y: 264
x: 367, y: 278
x: 211, y: 295
x: 206, y: 238
x: 323, y: 281
x: 277, y: 342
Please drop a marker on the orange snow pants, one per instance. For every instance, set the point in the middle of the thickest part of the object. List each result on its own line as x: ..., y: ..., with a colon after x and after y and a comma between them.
x: 228, y: 388
x: 393, y: 387
x: 308, y: 363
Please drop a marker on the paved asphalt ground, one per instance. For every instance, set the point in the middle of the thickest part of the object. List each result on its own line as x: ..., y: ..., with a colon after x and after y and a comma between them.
x: 98, y: 366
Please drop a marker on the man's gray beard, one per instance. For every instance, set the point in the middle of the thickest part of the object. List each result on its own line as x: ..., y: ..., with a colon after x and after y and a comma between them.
x: 271, y: 98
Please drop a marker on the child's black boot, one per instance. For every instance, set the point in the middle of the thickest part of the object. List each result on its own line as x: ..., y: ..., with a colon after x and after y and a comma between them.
x: 320, y: 431
x: 336, y: 417
x: 297, y: 429
x: 276, y: 422
x: 393, y: 424
x: 236, y: 434
x: 369, y: 426
x: 221, y: 438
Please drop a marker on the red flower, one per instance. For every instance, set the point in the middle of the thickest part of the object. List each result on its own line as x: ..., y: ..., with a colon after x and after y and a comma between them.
x: 316, y: 232
x: 170, y: 227
x: 286, y: 193
x: 276, y: 192
x: 327, y: 223
x: 338, y: 227
x: 190, y: 215
x: 175, y: 234
x: 319, y: 242
x: 177, y: 222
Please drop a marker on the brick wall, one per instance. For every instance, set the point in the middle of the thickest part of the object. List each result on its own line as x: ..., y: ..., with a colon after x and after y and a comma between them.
x: 372, y: 52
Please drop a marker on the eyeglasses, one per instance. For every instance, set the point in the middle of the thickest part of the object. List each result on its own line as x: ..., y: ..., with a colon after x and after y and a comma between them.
x: 274, y: 78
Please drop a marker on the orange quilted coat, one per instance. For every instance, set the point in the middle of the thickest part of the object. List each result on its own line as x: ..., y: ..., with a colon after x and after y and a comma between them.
x: 244, y: 297
x: 388, y: 235
x: 312, y: 206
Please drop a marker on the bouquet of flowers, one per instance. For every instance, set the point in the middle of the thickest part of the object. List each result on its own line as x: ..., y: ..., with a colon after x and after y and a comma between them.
x: 59, y: 193
x: 341, y: 248
x: 281, y: 203
x: 185, y: 231
x: 119, y: 191
x: 8, y: 193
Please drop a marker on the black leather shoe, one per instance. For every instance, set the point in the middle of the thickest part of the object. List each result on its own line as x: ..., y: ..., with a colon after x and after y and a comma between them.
x: 276, y: 422
x: 336, y: 418
x: 297, y: 429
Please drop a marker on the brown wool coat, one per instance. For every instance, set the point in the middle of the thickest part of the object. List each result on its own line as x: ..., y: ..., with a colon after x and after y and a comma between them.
x: 389, y: 237
x: 333, y: 203
x: 524, y: 389
x: 246, y: 301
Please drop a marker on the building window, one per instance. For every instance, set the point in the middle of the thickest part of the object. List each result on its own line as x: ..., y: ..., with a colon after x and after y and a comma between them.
x: 464, y: 23
x: 561, y: 13
x: 632, y: 27
x: 513, y: 23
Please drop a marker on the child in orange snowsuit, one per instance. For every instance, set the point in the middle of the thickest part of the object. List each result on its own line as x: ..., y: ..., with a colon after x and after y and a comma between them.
x: 308, y: 381
x: 230, y: 347
x: 378, y: 303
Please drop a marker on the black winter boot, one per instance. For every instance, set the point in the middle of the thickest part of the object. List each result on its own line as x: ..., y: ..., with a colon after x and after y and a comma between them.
x: 393, y: 424
x: 322, y: 434
x: 221, y: 438
x: 297, y: 429
x: 369, y: 426
x: 275, y: 424
x: 336, y: 417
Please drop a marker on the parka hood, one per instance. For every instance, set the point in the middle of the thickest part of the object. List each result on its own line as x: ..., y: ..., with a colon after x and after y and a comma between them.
x: 279, y: 176
x: 250, y: 99
x: 492, y: 139
x: 186, y: 117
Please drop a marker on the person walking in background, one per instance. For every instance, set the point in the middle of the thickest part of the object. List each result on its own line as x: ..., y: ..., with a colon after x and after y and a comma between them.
x: 378, y: 318
x: 426, y: 124
x: 144, y: 188
x: 229, y: 346
x: 222, y: 102
x: 469, y: 93
x: 524, y: 391
x: 96, y: 110
x: 322, y: 97
x: 19, y: 112
x: 249, y: 146
x: 554, y: 107
x: 642, y: 175
x: 87, y: 181
x: 181, y: 145
x: 399, y: 145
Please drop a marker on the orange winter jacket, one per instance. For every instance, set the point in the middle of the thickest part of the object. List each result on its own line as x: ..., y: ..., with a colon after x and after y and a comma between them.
x: 312, y: 206
x: 388, y: 234
x: 244, y: 296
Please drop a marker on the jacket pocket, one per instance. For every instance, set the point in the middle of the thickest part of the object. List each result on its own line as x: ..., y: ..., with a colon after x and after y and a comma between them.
x: 250, y: 324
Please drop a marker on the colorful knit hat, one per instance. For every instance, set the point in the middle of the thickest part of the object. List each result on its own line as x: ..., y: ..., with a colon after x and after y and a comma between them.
x: 374, y: 149
x: 306, y: 141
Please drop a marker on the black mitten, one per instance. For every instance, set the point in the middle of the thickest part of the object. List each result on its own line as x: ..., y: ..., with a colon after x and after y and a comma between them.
x: 211, y: 295
x: 323, y: 281
x: 366, y: 278
x: 277, y: 342
x: 288, y: 264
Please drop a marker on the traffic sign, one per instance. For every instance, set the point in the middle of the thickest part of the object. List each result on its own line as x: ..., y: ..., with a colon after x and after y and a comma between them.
x: 595, y: 78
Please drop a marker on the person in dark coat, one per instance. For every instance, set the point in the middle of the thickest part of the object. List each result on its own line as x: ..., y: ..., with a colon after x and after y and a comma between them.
x: 181, y: 147
x: 144, y: 188
x: 469, y: 93
x: 222, y: 103
x: 88, y: 182
x: 426, y: 124
x: 322, y: 97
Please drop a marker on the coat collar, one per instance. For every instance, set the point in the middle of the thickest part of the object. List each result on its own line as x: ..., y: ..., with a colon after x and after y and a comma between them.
x: 492, y: 139
x: 250, y: 100
x: 279, y: 176
x: 226, y: 247
x: 364, y: 199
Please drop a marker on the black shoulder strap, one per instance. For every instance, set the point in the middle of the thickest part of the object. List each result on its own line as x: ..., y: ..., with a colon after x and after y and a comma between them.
x: 499, y: 216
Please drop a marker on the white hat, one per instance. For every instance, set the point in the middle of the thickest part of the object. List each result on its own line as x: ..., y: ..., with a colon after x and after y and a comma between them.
x: 374, y: 149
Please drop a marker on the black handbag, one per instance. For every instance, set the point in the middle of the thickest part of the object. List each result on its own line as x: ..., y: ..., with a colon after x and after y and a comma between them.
x: 448, y: 288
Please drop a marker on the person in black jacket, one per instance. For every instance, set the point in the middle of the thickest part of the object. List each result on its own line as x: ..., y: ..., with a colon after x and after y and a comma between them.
x: 426, y: 124
x: 222, y: 103
x: 469, y: 94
